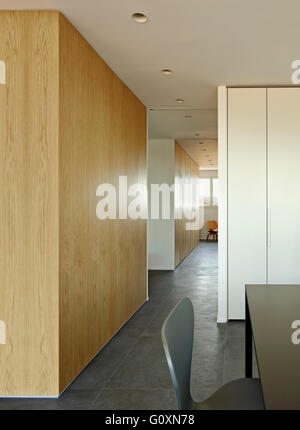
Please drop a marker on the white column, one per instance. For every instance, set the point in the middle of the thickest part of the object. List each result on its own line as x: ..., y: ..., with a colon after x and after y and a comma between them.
x: 222, y: 173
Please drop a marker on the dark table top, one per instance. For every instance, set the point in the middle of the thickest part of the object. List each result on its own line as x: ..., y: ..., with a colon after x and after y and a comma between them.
x: 273, y: 308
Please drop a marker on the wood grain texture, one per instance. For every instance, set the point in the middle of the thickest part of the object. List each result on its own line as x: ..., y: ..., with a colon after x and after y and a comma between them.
x: 102, y: 263
x: 186, y: 172
x: 29, y: 203
x: 68, y: 281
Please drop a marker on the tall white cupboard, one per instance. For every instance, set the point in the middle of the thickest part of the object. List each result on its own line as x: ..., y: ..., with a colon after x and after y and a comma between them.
x: 263, y: 190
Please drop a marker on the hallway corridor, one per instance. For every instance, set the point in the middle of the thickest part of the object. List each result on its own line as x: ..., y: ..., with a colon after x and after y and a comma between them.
x: 131, y: 371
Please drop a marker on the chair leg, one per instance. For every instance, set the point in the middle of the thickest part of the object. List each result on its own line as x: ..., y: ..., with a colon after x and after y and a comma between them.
x: 207, y: 237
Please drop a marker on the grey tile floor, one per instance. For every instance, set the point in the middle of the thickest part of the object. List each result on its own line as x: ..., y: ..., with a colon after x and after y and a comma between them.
x: 131, y: 371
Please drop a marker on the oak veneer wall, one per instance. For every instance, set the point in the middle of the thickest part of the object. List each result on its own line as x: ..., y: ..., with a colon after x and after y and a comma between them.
x: 68, y: 281
x: 29, y: 288
x: 102, y: 263
x: 186, y: 171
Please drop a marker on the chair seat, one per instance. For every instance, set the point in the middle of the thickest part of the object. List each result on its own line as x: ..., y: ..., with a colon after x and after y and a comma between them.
x: 242, y: 394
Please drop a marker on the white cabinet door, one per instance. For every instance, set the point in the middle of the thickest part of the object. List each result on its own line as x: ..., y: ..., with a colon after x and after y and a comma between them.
x: 247, y: 196
x: 284, y: 185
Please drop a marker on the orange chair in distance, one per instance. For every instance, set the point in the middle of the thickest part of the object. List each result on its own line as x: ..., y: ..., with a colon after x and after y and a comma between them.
x: 212, y: 227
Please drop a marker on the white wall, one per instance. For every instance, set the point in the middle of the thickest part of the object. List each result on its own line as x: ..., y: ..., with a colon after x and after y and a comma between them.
x: 161, y: 233
x: 222, y: 230
x: 210, y: 212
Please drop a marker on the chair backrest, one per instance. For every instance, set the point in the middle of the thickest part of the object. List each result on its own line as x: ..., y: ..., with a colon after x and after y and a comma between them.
x: 212, y: 225
x: 178, y: 337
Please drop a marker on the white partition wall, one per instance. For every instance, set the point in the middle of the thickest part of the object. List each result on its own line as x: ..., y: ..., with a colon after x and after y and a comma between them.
x: 161, y: 232
x: 284, y: 182
x: 263, y: 199
x: 222, y: 210
x: 247, y: 194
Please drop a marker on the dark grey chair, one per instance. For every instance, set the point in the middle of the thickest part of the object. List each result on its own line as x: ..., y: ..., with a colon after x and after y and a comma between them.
x: 178, y: 339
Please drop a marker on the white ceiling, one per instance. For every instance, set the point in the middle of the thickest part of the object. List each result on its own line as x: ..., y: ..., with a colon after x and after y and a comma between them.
x: 197, y: 134
x: 206, y: 42
x: 26, y: 4
x: 172, y: 124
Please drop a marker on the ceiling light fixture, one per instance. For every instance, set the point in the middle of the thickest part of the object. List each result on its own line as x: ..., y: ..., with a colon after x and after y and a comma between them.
x: 188, y: 116
x: 140, y: 18
x: 197, y: 134
x: 179, y: 100
x: 167, y: 71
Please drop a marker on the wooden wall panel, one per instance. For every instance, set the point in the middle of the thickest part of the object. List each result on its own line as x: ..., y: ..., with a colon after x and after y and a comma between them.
x: 186, y: 171
x: 29, y: 203
x: 102, y: 263
x: 68, y: 281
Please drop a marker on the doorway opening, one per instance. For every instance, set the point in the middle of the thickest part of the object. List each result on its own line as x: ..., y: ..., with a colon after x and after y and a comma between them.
x: 183, y: 149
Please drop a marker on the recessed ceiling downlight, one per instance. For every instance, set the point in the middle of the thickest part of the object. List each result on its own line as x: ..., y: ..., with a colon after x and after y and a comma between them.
x: 167, y: 72
x: 188, y: 116
x: 180, y: 100
x: 139, y: 18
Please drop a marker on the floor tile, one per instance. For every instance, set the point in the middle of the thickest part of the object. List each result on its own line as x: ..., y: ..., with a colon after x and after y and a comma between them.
x: 101, y: 369
x: 144, y: 367
x: 70, y: 400
x: 136, y: 400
